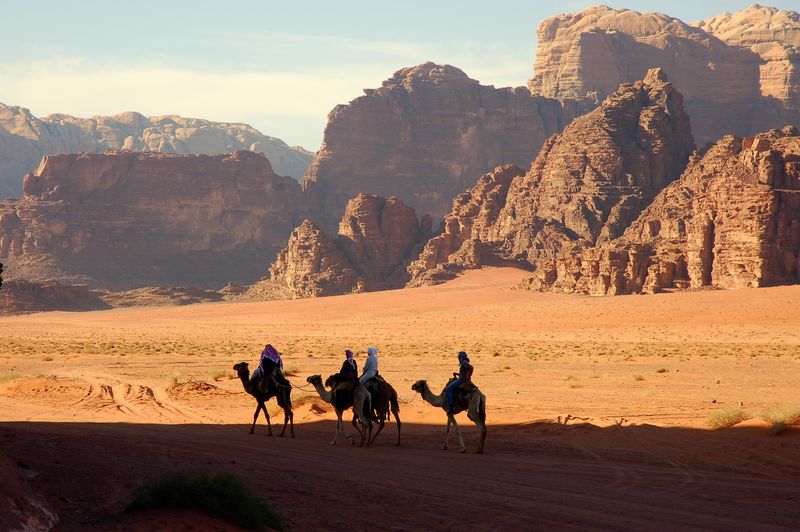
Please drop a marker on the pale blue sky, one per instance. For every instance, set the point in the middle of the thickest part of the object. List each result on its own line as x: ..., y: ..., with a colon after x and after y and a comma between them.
x: 278, y: 66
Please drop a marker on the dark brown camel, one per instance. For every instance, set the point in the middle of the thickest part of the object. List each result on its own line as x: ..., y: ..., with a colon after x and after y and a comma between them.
x: 281, y: 393
x: 384, y: 400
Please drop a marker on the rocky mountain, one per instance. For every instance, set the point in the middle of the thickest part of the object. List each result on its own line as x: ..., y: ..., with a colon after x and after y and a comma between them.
x: 25, y: 139
x: 731, y: 221
x: 426, y: 134
x: 587, y: 185
x: 376, y: 240
x: 588, y: 54
x: 123, y: 220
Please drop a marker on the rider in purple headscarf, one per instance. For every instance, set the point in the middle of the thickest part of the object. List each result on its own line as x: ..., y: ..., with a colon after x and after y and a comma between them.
x: 270, y: 366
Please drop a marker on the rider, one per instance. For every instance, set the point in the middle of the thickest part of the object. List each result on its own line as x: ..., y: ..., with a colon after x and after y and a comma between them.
x: 270, y: 367
x: 464, y: 376
x: 348, y: 375
x: 370, y: 367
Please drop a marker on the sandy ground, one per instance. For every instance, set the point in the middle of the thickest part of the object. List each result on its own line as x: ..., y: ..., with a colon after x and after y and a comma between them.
x: 95, y: 402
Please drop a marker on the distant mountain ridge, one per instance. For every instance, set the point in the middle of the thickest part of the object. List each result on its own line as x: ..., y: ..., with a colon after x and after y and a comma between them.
x: 25, y: 139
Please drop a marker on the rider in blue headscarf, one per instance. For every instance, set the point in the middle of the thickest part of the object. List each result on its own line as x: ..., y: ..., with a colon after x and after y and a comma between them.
x: 464, y: 375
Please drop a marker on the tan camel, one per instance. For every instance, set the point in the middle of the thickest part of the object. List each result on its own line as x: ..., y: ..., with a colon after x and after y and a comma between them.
x: 474, y: 402
x: 281, y: 393
x: 360, y: 403
x: 384, y: 400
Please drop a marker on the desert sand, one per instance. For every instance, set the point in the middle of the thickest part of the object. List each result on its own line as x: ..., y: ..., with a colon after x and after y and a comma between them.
x: 95, y: 402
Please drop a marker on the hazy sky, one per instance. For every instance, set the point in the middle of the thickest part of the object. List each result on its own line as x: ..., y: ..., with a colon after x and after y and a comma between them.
x: 278, y: 66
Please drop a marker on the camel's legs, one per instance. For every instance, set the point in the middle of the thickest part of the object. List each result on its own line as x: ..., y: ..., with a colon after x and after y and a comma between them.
x: 399, y: 424
x: 291, y: 422
x: 381, y: 423
x: 340, y: 425
x: 255, y: 418
x: 447, y: 431
x: 460, y: 437
x: 269, y: 424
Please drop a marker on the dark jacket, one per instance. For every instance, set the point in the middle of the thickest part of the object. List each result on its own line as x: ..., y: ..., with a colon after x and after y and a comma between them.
x: 349, y: 372
x: 465, y: 371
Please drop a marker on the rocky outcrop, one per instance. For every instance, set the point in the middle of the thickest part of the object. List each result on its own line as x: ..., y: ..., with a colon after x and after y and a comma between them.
x: 23, y: 297
x: 377, y: 238
x: 588, y: 54
x: 426, y: 134
x: 124, y: 220
x: 460, y: 244
x: 774, y: 35
x: 731, y: 221
x: 25, y: 139
x: 587, y: 184
x: 20, y: 507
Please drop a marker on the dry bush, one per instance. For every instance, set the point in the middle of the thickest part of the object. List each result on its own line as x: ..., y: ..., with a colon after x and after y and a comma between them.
x: 727, y: 418
x: 781, y: 417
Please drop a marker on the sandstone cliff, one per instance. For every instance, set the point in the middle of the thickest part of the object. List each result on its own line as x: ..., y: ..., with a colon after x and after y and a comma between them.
x: 123, y: 220
x: 727, y: 89
x: 24, y: 139
x: 587, y: 184
x: 426, y: 134
x: 732, y: 220
x: 377, y: 238
x: 774, y: 35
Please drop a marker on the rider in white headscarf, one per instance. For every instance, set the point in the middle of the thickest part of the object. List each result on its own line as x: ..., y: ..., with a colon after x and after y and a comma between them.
x: 370, y: 366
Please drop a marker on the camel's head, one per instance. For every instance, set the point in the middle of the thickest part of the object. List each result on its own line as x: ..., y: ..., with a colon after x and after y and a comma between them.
x: 332, y: 380
x: 314, y: 379
x: 419, y: 385
x: 241, y: 367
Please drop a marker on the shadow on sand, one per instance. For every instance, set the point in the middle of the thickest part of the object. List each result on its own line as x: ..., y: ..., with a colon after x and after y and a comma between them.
x: 533, y: 475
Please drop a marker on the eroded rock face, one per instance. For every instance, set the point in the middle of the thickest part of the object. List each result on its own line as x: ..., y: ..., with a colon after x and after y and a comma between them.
x: 587, y: 184
x: 588, y: 54
x: 426, y: 134
x: 731, y: 221
x: 124, y: 220
x: 774, y: 35
x: 25, y: 139
x: 468, y: 225
x: 377, y: 238
x: 20, y: 507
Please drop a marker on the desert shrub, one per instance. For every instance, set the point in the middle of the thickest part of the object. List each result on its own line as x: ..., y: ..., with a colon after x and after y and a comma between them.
x: 661, y: 370
x: 638, y: 378
x: 781, y: 417
x: 726, y: 418
x: 221, y: 496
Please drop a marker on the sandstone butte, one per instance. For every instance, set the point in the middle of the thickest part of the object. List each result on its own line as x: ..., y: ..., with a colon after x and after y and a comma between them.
x: 25, y: 139
x: 731, y: 221
x: 377, y: 238
x: 587, y: 185
x: 122, y: 220
x: 426, y: 134
x: 747, y: 62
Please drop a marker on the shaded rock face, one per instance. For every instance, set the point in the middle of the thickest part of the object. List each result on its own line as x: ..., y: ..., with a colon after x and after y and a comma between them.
x: 588, y: 54
x: 25, y: 139
x: 377, y: 238
x: 20, y: 507
x: 22, y: 297
x: 121, y: 220
x: 426, y: 134
x: 731, y: 221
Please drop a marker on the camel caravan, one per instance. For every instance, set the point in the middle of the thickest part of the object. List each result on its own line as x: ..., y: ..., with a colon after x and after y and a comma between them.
x: 372, y: 399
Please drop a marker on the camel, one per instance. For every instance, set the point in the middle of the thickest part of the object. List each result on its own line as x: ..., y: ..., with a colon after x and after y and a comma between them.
x: 283, y: 395
x: 474, y: 402
x: 383, y: 400
x: 361, y: 404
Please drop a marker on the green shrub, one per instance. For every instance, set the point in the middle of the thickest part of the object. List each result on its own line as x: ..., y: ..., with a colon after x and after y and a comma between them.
x: 221, y: 496
x: 781, y: 417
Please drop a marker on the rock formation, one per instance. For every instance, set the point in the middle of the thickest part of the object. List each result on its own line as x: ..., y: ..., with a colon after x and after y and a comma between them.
x: 426, y: 134
x: 774, y: 35
x: 377, y: 238
x: 732, y: 220
x: 20, y: 507
x: 587, y: 184
x: 588, y: 54
x: 25, y: 139
x: 123, y: 220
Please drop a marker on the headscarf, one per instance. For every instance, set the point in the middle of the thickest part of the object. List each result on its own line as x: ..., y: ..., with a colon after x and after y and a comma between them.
x: 272, y: 354
x: 462, y: 357
x: 372, y: 351
x: 349, y: 356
